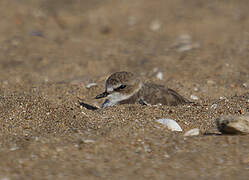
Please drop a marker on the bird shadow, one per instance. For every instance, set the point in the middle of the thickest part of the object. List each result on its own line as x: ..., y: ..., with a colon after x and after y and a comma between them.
x: 87, y: 106
x: 212, y: 134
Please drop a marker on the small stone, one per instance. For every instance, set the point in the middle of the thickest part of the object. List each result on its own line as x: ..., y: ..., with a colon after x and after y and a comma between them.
x: 138, y: 150
x: 233, y: 124
x: 15, y: 42
x: 210, y: 82
x: 192, y: 132
x: 196, y: 89
x: 88, y: 141
x: 166, y: 155
x: 194, y: 97
x: 184, y: 43
x: 188, y: 47
x: 58, y: 149
x: 36, y: 33
x: 155, y: 25
x: 147, y: 149
x: 244, y: 85
x: 91, y: 85
x: 170, y: 124
x: 14, y: 148
x: 222, y: 97
x: 214, y: 106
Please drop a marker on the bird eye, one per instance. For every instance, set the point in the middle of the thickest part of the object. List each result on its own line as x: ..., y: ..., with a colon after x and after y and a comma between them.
x: 120, y: 87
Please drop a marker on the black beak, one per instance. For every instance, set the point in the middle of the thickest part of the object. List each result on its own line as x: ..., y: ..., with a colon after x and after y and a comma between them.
x: 104, y: 94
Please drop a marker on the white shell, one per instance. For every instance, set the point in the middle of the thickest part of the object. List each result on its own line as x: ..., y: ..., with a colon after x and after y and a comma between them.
x: 194, y: 97
x: 170, y: 124
x: 159, y: 75
x: 88, y: 141
x: 192, y: 132
x: 91, y: 85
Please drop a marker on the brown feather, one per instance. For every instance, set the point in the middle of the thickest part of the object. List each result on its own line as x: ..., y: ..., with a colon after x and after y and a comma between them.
x: 156, y: 94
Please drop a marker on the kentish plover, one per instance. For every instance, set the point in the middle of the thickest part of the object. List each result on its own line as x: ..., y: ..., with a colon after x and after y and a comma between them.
x: 126, y: 88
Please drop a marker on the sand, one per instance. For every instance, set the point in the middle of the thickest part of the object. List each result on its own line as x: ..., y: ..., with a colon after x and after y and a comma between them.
x: 51, y: 50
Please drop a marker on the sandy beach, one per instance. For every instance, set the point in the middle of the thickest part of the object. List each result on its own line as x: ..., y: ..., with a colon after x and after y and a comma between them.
x: 53, y: 53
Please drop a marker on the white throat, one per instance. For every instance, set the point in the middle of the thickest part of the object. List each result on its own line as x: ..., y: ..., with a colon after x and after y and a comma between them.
x: 115, y: 97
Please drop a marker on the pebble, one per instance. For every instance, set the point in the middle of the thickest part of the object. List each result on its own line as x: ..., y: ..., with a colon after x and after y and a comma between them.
x: 222, y: 97
x: 187, y: 47
x: 36, y: 33
x: 155, y: 25
x: 194, y: 97
x: 184, y: 43
x: 88, y: 141
x: 245, y: 85
x: 196, y: 89
x: 210, y: 82
x: 233, y: 124
x: 147, y: 149
x: 14, y: 148
x: 170, y: 124
x: 166, y: 155
x: 214, y: 106
x: 192, y: 132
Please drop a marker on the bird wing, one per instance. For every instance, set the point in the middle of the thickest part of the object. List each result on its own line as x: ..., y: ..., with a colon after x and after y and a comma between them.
x: 156, y: 94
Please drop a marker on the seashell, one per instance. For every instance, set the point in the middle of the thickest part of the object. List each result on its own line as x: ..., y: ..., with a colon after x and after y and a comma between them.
x: 194, y: 97
x: 233, y: 124
x: 88, y: 86
x: 159, y: 75
x: 192, y: 132
x: 170, y: 124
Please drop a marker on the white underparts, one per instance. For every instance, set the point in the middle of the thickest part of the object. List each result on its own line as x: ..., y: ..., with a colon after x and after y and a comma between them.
x: 114, y: 98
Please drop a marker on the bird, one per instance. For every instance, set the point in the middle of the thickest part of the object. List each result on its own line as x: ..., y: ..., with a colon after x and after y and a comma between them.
x: 127, y: 88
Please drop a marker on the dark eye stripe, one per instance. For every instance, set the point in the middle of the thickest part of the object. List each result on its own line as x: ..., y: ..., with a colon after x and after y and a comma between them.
x: 121, y: 87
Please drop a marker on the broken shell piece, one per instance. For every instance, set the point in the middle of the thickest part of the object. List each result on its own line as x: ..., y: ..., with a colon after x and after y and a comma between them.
x: 194, y: 97
x: 88, y: 141
x: 91, y: 85
x: 192, y: 132
x: 159, y: 75
x: 233, y: 124
x: 170, y: 124
x: 185, y: 43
